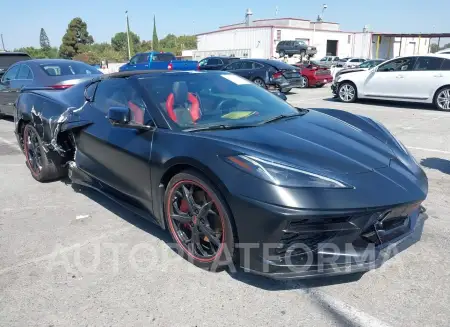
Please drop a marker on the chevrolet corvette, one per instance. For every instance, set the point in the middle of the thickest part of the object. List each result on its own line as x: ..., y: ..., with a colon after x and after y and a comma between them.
x: 234, y: 173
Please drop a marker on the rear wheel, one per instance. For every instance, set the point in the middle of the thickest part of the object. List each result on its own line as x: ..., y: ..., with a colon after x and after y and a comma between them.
x: 442, y: 99
x: 258, y: 81
x: 304, y: 82
x: 44, y: 166
x: 199, y: 221
x: 347, y: 92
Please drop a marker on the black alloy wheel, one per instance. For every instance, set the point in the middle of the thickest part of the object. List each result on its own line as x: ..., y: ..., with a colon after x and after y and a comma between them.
x: 198, y: 221
x: 33, y: 150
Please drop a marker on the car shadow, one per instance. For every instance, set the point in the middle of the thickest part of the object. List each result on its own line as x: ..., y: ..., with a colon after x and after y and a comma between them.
x: 115, y: 208
x: 391, y: 104
x: 8, y: 118
x: 443, y: 165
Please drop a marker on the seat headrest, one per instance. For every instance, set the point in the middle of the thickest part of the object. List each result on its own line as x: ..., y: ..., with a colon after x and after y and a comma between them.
x: 180, y: 93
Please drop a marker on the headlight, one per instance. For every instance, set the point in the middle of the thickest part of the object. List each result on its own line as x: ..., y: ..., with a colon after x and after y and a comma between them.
x: 282, y: 175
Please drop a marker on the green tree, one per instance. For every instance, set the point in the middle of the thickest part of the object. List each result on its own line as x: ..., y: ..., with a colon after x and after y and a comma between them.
x: 39, y: 53
x: 76, y: 36
x: 434, y: 48
x: 146, y: 46
x: 89, y: 57
x: 187, y: 42
x: 155, y: 40
x: 119, y: 42
x: 43, y: 39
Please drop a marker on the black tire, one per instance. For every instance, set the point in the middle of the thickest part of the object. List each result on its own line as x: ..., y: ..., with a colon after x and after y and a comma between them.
x: 180, y: 228
x: 345, y: 92
x: 442, y: 98
x: 285, y: 91
x: 305, y: 82
x: 282, y: 53
x: 44, y: 166
x: 258, y: 81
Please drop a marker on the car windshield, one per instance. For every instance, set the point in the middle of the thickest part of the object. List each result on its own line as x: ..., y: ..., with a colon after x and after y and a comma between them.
x: 197, y: 100
x: 370, y: 64
x: 68, y: 68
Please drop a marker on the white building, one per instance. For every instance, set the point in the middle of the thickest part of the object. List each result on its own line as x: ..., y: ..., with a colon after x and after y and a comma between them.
x: 259, y: 38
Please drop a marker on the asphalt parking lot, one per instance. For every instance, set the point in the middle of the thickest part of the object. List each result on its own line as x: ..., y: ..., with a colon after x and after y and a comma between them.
x: 76, y: 259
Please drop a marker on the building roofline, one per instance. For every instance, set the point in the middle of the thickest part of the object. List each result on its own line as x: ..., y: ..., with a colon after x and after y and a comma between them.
x: 281, y: 18
x: 426, y: 35
x: 279, y: 27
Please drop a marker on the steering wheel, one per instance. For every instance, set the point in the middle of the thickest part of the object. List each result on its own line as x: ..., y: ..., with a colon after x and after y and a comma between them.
x: 221, y: 107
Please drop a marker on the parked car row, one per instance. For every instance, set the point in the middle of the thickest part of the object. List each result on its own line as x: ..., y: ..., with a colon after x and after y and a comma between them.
x: 424, y: 79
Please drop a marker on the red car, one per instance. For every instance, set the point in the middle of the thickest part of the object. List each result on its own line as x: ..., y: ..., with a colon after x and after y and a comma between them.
x: 314, y: 75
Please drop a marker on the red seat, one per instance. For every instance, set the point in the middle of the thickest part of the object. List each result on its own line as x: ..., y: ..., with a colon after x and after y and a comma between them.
x: 138, y: 113
x: 194, y: 110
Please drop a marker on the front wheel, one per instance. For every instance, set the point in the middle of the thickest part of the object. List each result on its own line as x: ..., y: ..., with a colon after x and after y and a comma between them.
x: 442, y: 99
x: 282, y: 53
x: 199, y: 221
x: 347, y: 92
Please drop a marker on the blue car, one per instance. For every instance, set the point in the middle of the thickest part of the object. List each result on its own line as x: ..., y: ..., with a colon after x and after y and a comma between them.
x: 155, y: 60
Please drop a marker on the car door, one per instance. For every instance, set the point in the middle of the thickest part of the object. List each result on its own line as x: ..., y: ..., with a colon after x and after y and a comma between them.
x: 142, y: 61
x: 117, y: 156
x: 425, y: 78
x: 131, y: 65
x: 390, y: 80
x: 246, y: 70
x: 8, y: 94
x: 234, y: 67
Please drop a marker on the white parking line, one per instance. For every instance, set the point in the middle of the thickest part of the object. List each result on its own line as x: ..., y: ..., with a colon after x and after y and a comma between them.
x: 430, y: 150
x: 348, y: 312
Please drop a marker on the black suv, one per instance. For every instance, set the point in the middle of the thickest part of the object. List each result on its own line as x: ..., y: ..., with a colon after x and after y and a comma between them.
x: 9, y: 58
x: 215, y: 63
x: 291, y: 48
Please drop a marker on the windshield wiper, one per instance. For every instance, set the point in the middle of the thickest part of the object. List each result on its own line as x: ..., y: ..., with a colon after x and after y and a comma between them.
x: 279, y: 117
x: 216, y: 127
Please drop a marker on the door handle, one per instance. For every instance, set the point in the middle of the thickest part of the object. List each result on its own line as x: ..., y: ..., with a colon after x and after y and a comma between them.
x: 438, y: 75
x: 399, y: 76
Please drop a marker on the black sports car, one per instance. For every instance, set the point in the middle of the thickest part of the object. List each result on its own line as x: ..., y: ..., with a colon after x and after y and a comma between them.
x: 234, y: 173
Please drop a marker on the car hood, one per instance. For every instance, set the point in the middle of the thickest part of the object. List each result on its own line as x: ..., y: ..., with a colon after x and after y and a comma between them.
x: 317, y: 141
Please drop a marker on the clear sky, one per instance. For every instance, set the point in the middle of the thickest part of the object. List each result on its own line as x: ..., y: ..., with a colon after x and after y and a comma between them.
x: 21, y: 21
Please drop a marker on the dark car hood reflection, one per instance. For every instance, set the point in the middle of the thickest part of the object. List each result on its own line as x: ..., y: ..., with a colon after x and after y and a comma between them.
x: 316, y: 141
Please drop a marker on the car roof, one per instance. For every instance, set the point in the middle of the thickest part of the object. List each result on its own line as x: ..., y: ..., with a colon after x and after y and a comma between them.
x: 51, y: 61
x: 14, y: 53
x: 139, y: 73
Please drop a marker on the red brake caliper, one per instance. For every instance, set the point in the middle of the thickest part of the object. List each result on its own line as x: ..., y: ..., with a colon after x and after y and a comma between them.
x: 184, y: 207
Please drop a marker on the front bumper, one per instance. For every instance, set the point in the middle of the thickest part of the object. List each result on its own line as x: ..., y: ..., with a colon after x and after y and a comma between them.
x: 334, y: 87
x: 307, y: 243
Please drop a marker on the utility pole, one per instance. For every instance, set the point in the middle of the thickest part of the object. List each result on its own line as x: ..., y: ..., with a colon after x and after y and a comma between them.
x: 3, y: 43
x: 128, y: 35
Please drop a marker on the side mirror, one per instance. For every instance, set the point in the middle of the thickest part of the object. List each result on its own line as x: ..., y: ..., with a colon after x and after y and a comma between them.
x: 119, y: 116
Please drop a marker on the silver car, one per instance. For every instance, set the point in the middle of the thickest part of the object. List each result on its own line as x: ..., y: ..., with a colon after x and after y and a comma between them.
x: 350, y: 62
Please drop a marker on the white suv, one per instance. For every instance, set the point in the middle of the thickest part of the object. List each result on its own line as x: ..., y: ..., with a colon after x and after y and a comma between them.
x: 423, y: 79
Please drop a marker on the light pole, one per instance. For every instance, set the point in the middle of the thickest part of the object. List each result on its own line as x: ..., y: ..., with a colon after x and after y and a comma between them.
x: 128, y: 35
x: 319, y: 19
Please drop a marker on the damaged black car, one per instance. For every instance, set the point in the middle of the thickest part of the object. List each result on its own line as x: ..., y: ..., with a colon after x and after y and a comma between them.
x: 236, y: 174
